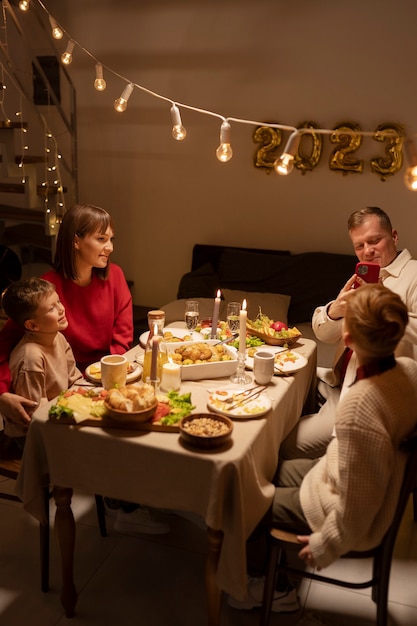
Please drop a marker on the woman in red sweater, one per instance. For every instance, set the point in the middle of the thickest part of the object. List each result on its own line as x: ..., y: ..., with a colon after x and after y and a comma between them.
x: 94, y: 293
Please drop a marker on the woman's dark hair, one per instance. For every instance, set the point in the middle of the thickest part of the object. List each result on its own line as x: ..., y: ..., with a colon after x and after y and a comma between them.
x: 80, y: 220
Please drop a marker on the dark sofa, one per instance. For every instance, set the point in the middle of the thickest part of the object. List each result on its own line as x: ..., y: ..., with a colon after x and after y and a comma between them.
x: 309, y: 279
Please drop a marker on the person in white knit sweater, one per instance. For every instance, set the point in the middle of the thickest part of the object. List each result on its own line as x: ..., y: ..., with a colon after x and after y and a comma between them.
x: 346, y: 500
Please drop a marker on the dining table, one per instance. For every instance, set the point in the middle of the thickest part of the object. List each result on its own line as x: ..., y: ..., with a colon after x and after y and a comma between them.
x: 230, y: 488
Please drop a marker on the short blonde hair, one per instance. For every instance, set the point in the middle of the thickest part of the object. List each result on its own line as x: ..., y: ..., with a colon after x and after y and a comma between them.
x: 376, y: 319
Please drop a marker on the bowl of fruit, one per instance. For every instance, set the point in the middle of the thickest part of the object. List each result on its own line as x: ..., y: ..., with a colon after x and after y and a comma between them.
x: 274, y: 333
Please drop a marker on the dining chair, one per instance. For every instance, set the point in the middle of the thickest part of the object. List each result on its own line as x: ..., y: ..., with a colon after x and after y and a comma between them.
x: 10, y: 461
x: 381, y: 555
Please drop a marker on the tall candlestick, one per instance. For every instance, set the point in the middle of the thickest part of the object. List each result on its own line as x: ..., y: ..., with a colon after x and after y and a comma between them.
x: 242, y: 328
x: 154, y: 361
x: 215, y: 317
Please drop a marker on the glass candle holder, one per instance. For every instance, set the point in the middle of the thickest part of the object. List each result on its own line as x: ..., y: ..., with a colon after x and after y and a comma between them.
x: 240, y: 377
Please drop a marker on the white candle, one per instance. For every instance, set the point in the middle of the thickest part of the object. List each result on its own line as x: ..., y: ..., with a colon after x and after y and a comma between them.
x: 242, y: 328
x: 171, y: 376
x: 215, y: 317
x: 154, y: 361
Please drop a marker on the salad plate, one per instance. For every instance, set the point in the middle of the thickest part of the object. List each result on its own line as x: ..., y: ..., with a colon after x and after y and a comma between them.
x: 225, y: 401
x: 173, y: 335
x: 286, y: 361
x: 93, y: 372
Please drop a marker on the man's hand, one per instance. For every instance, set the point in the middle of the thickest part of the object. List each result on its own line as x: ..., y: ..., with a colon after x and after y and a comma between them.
x: 305, y: 553
x: 17, y: 408
x: 337, y: 308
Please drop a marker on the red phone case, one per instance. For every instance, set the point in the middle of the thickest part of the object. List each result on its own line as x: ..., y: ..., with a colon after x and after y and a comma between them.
x: 368, y: 271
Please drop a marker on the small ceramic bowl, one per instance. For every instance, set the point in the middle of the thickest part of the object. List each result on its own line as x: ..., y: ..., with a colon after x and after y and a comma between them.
x: 131, y: 416
x: 206, y: 430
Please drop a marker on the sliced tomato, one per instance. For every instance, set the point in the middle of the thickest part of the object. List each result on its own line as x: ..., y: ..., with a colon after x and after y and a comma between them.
x: 161, y: 410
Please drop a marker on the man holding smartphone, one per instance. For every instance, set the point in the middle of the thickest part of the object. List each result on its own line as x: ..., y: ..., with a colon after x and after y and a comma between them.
x: 374, y: 241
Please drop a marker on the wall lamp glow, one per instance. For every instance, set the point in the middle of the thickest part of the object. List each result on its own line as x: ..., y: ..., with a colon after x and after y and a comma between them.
x: 66, y: 57
x: 24, y: 5
x: 120, y: 104
x: 410, y: 177
x: 284, y: 163
x: 224, y: 152
x: 99, y: 83
x: 178, y: 131
x: 57, y: 32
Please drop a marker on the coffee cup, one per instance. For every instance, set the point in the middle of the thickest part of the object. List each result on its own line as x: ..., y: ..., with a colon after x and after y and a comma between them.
x: 113, y: 371
x: 263, y: 367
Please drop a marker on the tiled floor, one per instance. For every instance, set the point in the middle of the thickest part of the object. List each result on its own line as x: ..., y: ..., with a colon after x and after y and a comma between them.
x: 158, y: 581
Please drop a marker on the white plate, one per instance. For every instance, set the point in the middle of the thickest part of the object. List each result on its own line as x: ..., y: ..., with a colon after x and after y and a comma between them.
x: 251, y: 409
x: 96, y: 378
x: 289, y: 363
x: 178, y: 333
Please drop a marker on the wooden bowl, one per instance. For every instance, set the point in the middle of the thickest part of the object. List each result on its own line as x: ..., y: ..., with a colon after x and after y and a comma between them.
x: 210, y: 430
x: 275, y: 341
x: 144, y: 415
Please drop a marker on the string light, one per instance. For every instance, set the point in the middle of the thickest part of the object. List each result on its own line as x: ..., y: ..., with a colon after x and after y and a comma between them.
x: 120, y: 104
x: 24, y: 5
x: 284, y: 163
x: 224, y: 152
x: 178, y: 131
x: 57, y: 32
x: 99, y: 83
x: 410, y: 177
x: 66, y: 57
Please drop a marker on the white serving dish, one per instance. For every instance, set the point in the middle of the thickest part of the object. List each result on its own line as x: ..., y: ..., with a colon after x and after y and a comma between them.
x: 199, y: 371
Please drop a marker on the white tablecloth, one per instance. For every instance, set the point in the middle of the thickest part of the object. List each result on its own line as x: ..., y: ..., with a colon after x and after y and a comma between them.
x: 230, y: 488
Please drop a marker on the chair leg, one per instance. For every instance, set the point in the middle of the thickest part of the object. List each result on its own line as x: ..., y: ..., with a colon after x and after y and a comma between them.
x: 101, y: 515
x: 270, y: 580
x: 44, y: 545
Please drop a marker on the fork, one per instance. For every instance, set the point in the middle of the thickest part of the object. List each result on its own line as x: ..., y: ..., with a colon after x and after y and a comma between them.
x: 251, y: 396
x: 242, y: 393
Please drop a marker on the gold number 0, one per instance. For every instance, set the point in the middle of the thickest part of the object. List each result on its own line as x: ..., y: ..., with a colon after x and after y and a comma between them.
x: 270, y: 138
x: 308, y: 163
x: 393, y: 150
x: 347, y: 136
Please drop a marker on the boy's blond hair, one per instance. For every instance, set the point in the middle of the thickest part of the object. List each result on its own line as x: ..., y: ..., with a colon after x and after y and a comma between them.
x: 376, y: 318
x: 21, y: 299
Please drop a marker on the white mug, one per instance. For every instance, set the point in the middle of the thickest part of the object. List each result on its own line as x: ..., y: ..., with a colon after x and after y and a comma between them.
x: 263, y: 367
x: 113, y: 371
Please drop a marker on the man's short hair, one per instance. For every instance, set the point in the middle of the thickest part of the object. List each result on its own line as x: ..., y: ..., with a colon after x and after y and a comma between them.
x: 359, y: 217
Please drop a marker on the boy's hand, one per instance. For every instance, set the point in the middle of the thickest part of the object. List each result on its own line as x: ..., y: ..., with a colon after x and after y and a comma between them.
x: 15, y: 408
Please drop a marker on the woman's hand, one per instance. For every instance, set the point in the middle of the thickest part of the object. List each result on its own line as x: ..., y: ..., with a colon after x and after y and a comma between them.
x: 15, y: 408
x: 337, y: 308
x: 305, y: 553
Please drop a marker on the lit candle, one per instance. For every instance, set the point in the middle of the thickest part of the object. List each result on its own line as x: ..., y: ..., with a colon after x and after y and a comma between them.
x: 215, y: 317
x: 154, y: 361
x: 171, y: 376
x: 242, y: 328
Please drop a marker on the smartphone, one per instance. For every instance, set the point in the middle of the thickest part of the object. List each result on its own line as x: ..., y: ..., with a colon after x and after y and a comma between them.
x: 368, y: 271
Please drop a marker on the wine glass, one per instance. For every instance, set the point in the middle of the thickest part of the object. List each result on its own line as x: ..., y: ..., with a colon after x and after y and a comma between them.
x: 191, y: 315
x: 233, y: 320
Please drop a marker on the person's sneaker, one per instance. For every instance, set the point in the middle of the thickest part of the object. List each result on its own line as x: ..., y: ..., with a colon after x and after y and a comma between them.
x: 139, y: 521
x: 283, y: 601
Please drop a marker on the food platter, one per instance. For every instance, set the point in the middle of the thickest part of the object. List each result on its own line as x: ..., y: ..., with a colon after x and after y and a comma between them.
x: 275, y: 341
x: 250, y: 409
x: 178, y: 335
x: 286, y: 361
x: 93, y: 372
x: 205, y: 369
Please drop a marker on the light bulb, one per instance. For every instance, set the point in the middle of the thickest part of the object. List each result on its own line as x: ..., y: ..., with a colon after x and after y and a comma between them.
x: 66, y: 57
x: 99, y: 83
x: 57, y: 32
x: 285, y: 163
x: 24, y: 5
x: 224, y: 152
x: 178, y: 131
x: 410, y: 177
x: 120, y: 104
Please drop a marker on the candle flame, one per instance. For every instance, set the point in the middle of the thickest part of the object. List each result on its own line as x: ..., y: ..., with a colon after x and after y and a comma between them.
x: 244, y: 305
x: 219, y: 293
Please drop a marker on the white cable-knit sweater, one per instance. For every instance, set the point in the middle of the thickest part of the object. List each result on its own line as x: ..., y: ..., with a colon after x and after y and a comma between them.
x: 349, y: 497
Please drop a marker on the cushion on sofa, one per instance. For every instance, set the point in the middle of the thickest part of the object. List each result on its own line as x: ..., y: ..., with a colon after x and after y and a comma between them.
x: 274, y: 305
x: 202, y: 283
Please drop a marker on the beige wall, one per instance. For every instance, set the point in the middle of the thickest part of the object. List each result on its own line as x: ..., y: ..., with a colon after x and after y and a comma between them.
x: 270, y: 60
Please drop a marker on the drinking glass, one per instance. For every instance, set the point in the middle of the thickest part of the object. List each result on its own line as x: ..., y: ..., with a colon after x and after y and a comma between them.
x: 233, y: 322
x: 191, y: 315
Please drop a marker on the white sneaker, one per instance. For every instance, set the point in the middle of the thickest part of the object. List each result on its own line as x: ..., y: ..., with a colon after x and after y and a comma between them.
x: 283, y: 601
x: 139, y: 521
